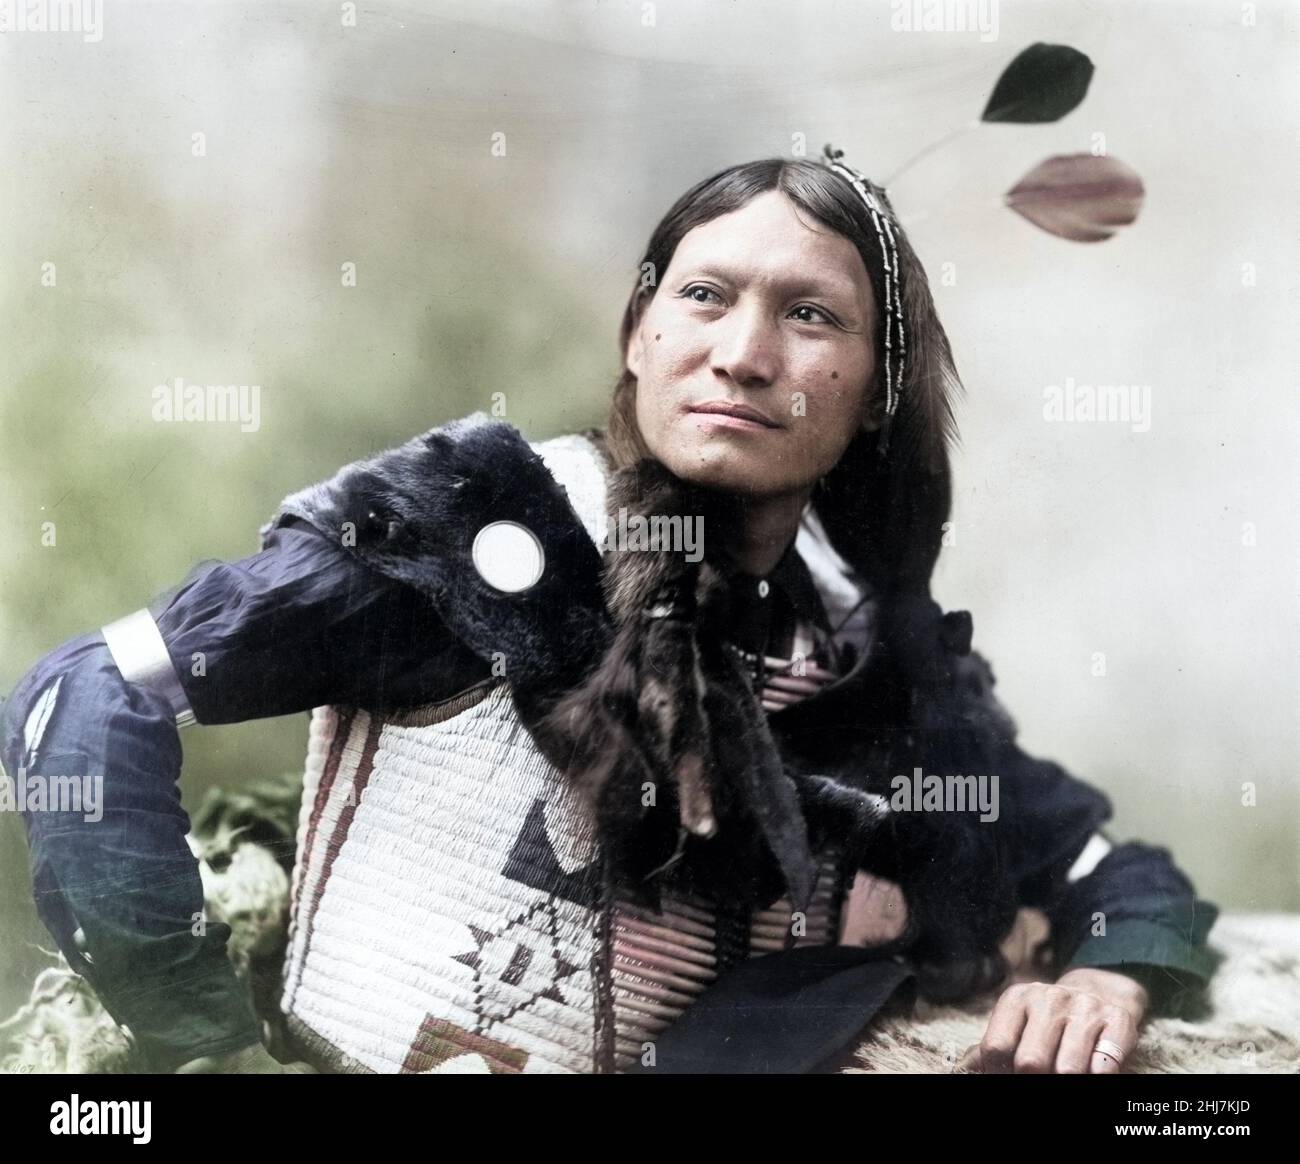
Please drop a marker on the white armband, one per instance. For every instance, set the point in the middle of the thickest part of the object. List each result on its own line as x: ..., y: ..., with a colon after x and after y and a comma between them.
x: 1096, y: 848
x: 137, y: 647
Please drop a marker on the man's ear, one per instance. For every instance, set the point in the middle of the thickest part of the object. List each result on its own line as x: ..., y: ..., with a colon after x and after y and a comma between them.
x: 635, y: 350
x: 873, y: 406
x: 634, y: 357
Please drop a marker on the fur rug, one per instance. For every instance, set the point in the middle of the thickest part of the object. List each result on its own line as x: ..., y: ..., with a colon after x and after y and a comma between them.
x: 1252, y: 1025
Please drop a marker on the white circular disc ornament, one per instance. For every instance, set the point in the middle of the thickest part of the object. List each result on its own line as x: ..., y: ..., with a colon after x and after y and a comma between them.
x: 508, y: 556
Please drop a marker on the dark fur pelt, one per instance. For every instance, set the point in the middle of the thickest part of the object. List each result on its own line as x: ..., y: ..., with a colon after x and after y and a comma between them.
x: 413, y: 512
x: 668, y: 719
x: 631, y: 725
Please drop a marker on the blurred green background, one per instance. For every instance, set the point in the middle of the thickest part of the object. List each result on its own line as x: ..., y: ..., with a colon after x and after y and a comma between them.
x: 326, y: 144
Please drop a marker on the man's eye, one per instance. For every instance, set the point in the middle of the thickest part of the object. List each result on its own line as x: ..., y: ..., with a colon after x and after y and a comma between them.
x: 806, y: 313
x: 699, y: 293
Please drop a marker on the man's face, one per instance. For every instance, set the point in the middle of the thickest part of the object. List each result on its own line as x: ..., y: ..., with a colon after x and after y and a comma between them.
x: 753, y: 358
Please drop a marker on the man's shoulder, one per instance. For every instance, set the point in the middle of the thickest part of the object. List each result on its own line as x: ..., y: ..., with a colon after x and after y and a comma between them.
x: 416, y: 510
x: 461, y: 455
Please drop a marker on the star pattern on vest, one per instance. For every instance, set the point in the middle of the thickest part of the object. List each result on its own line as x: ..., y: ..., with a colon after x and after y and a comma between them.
x: 517, y: 964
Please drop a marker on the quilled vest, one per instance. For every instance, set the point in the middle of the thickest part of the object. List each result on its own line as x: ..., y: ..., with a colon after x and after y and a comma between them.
x: 447, y: 909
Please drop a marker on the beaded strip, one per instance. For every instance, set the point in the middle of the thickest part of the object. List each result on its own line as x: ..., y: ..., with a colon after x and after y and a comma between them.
x: 893, y: 298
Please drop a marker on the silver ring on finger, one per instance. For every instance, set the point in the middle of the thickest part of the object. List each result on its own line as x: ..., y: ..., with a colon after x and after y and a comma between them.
x: 1109, y: 1049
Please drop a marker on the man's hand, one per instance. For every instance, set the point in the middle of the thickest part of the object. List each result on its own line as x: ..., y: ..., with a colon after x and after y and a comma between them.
x: 1040, y: 1028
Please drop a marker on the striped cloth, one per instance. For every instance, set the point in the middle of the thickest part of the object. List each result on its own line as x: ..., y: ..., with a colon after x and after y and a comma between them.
x: 664, y: 961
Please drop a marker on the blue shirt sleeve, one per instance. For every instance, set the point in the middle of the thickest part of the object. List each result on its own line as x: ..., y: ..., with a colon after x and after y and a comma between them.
x: 1135, y: 913
x: 295, y: 626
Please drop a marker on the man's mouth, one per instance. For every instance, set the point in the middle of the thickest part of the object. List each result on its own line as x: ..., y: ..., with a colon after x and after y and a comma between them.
x: 734, y: 414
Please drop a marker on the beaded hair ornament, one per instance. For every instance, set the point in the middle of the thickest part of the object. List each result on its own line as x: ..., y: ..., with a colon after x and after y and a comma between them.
x: 895, y: 333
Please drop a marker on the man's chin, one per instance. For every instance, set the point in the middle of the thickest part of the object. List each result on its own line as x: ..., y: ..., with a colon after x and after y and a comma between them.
x: 719, y: 465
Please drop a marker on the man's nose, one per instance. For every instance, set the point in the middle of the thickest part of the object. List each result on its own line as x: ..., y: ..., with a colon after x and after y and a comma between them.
x: 747, y: 349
